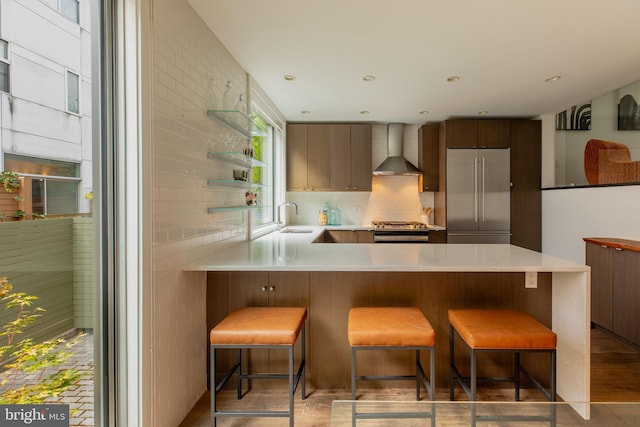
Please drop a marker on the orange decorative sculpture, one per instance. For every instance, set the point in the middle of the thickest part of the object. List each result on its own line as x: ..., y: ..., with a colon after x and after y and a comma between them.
x: 608, y: 162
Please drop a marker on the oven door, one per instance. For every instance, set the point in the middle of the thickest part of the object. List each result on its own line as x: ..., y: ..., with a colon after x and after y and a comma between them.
x: 401, y: 236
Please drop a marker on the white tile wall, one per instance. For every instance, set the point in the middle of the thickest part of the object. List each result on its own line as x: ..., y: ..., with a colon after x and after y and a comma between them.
x: 190, y: 67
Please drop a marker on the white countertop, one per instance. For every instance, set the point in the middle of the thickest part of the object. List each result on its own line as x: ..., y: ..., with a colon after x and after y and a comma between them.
x: 295, y: 252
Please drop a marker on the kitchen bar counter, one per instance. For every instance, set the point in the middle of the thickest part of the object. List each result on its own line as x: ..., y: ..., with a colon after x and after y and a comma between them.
x: 295, y: 252
x: 329, y: 278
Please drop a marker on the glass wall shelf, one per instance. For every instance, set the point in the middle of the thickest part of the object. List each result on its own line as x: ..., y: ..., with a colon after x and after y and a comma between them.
x: 235, y: 157
x: 229, y: 183
x: 234, y: 120
x: 229, y: 209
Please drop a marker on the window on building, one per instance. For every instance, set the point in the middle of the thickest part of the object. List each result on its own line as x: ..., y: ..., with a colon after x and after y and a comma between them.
x: 262, y: 176
x: 70, y: 9
x: 4, y: 66
x: 54, y: 183
x: 73, y: 92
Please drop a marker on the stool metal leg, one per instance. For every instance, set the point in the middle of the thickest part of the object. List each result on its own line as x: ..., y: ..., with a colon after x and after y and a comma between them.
x: 451, y: 361
x: 239, y: 373
x: 353, y: 374
x: 516, y: 375
x: 212, y: 387
x: 304, y: 364
x: 418, y: 375
x: 291, y: 390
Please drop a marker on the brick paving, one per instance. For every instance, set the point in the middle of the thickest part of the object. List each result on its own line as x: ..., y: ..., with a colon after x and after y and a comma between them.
x: 80, y: 397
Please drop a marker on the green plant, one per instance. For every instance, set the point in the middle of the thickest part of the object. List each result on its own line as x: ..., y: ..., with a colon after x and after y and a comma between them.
x: 37, y: 215
x: 18, y: 214
x: 30, y: 375
x: 10, y: 181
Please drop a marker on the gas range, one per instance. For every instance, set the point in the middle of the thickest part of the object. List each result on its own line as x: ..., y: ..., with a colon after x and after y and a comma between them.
x: 400, y: 232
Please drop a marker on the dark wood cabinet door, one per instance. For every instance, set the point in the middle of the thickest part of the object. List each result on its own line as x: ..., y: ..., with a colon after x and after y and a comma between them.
x: 361, y: 157
x: 626, y: 294
x: 429, y: 157
x: 600, y: 259
x: 526, y: 196
x: 318, y: 157
x: 339, y: 157
x: 296, y: 157
x: 494, y: 133
x: 461, y: 133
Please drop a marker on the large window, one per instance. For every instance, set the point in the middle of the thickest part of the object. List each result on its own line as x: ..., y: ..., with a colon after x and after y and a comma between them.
x: 54, y: 184
x: 262, y: 175
x: 4, y: 66
x: 73, y: 92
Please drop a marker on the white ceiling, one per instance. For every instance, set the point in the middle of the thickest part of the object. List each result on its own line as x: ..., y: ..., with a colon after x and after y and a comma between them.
x: 503, y: 50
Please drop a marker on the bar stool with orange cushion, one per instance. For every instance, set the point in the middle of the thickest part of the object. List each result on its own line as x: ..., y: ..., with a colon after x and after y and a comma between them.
x: 392, y: 328
x: 259, y: 327
x: 490, y: 330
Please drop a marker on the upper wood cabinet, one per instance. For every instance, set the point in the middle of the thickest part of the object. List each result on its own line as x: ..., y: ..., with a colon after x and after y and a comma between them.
x: 490, y: 133
x: 429, y: 157
x: 307, y: 157
x: 329, y: 157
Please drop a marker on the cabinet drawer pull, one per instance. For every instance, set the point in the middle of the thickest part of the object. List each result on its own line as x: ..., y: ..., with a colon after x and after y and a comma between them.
x: 618, y: 249
x: 263, y: 289
x: 272, y: 288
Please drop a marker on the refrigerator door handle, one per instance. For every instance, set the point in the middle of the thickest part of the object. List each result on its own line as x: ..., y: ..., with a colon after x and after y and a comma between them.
x: 483, y: 164
x: 475, y: 189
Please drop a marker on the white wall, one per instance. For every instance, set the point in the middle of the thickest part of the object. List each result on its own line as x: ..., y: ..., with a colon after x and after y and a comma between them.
x: 568, y: 215
x: 189, y: 67
x: 604, y: 125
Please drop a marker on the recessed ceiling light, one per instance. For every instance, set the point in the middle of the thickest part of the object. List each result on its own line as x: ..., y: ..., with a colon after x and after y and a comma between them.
x: 452, y: 79
x: 289, y: 77
x: 483, y: 113
x: 552, y: 79
x: 369, y: 78
x: 364, y: 112
x: 305, y: 112
x: 423, y: 112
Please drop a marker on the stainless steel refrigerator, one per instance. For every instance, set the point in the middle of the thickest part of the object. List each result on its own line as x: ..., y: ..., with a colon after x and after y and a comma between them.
x: 478, y: 195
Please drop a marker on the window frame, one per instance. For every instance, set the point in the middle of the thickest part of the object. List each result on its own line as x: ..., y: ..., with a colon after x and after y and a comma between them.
x: 75, y: 19
x: 8, y: 63
x: 69, y: 71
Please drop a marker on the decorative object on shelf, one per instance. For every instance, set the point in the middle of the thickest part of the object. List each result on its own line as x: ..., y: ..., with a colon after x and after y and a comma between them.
x: 241, y: 174
x: 233, y: 120
x: 240, y: 105
x: 576, y: 118
x: 252, y: 198
x: 628, y: 110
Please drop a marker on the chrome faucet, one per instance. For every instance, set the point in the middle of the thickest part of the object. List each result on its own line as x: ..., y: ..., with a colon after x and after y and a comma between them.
x: 285, y: 204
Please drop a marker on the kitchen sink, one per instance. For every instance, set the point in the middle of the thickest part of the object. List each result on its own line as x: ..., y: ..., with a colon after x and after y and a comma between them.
x: 296, y: 230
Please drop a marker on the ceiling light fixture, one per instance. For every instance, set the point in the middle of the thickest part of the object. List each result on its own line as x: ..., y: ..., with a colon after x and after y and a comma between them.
x: 369, y: 78
x: 483, y: 113
x: 305, y: 112
x: 552, y: 79
x: 289, y: 77
x: 423, y: 112
x: 364, y: 112
x: 452, y: 79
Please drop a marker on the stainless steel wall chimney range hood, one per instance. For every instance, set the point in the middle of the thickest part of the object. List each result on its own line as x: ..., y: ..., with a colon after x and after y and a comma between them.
x: 395, y: 163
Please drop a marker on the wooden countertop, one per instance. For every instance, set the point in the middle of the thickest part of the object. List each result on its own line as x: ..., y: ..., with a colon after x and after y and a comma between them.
x: 613, y: 242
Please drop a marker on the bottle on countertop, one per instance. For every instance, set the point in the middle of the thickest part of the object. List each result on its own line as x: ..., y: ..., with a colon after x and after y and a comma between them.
x: 323, y: 218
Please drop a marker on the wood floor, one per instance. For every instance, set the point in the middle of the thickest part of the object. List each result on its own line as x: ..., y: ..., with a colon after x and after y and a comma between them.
x: 615, y: 377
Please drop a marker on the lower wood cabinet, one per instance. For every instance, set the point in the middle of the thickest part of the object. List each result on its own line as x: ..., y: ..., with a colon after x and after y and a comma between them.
x: 615, y: 287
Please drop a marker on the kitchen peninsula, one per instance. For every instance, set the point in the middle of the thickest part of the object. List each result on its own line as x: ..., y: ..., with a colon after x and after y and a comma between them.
x: 288, y: 269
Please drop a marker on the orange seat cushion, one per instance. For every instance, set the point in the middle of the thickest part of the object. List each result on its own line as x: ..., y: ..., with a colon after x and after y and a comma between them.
x: 501, y: 329
x: 389, y: 326
x: 260, y: 326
